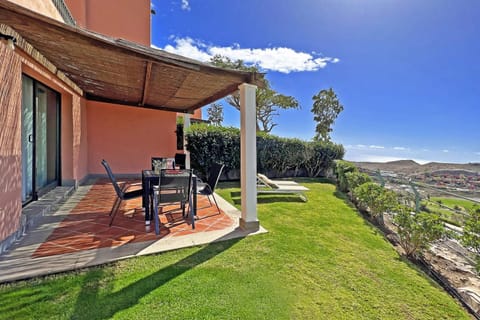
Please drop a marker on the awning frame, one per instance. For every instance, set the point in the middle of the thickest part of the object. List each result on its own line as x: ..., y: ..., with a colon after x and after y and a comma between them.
x: 118, y: 71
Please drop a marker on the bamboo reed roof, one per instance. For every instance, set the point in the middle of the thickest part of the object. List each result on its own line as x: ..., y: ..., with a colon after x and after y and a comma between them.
x: 118, y: 71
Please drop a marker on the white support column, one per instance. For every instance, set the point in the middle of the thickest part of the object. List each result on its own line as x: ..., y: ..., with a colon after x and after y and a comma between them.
x: 248, y: 157
x: 186, y: 125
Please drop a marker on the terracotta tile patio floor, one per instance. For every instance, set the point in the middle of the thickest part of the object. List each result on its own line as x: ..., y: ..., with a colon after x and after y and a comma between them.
x: 87, y: 225
x: 76, y: 234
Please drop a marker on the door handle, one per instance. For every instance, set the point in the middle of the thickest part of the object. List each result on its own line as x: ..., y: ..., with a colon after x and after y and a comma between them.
x: 30, y: 138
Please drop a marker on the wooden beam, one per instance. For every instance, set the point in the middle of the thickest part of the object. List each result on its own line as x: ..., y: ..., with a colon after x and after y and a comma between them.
x: 92, y: 97
x: 229, y: 90
x: 146, y: 82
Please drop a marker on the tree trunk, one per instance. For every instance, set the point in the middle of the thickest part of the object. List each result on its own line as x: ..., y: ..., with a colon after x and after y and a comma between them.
x: 380, y: 220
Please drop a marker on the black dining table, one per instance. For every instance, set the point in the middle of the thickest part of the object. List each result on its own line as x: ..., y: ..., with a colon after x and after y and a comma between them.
x: 149, y: 179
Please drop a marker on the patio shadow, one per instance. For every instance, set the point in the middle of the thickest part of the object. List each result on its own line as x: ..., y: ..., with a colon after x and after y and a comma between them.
x: 268, y: 198
x: 272, y: 199
x: 131, y: 295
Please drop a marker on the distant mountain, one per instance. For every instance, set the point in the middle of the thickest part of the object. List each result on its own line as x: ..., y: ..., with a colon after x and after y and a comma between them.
x: 403, y: 163
x: 408, y: 167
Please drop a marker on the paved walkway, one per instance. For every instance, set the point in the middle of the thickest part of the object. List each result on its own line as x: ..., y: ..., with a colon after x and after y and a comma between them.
x: 76, y: 234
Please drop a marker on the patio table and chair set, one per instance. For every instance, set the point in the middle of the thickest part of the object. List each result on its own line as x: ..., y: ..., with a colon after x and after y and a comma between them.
x: 168, y: 183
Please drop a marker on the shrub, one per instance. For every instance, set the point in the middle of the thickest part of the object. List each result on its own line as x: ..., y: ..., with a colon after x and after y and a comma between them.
x: 355, y: 179
x: 208, y: 144
x: 341, y: 169
x: 471, y: 233
x: 424, y: 208
x: 376, y: 199
x: 417, y: 231
x: 279, y: 154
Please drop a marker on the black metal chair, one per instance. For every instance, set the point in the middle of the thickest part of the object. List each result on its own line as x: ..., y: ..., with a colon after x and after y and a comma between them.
x: 207, y: 189
x: 174, y: 186
x: 121, y: 191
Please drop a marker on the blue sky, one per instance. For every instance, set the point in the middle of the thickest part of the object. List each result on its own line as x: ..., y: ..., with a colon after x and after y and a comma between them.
x: 407, y: 72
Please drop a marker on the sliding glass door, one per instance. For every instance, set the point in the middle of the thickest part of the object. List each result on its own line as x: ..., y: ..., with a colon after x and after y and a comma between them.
x: 27, y: 139
x: 40, y: 139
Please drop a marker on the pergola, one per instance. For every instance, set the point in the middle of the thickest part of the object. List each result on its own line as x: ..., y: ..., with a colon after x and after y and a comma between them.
x: 106, y: 69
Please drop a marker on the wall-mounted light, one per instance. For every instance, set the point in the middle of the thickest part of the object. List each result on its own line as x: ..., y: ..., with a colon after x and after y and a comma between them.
x: 8, y: 40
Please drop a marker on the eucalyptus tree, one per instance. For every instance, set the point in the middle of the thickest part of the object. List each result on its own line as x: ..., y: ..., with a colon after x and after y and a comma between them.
x: 215, y: 114
x: 269, y: 101
x: 326, y: 108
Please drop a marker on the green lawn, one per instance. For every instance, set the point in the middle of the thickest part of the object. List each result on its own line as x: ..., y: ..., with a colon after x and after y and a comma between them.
x: 320, y: 260
x: 458, y: 209
x: 452, y: 202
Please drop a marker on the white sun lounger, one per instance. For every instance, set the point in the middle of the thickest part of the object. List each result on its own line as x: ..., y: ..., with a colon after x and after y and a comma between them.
x: 266, y: 186
x: 263, y: 180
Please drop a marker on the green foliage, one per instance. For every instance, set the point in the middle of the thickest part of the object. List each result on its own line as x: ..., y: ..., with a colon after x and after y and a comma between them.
x: 268, y: 100
x: 342, y: 167
x: 355, y: 179
x: 320, y: 155
x: 450, y: 210
x: 326, y: 108
x: 456, y: 203
x: 417, y: 231
x: 215, y: 114
x: 376, y: 199
x: 227, y: 63
x: 277, y: 153
x: 319, y: 260
x: 208, y: 144
x: 471, y: 232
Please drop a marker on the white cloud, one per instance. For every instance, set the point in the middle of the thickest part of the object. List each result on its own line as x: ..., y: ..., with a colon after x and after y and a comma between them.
x: 399, y: 148
x: 279, y: 59
x: 186, y: 47
x: 186, y: 5
x: 477, y: 153
x: 376, y: 147
x: 445, y: 150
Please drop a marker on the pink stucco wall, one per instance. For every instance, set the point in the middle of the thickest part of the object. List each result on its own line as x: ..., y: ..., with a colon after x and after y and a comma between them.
x: 78, y: 10
x: 73, y: 132
x: 90, y: 131
x: 126, y: 19
x: 127, y: 137
x: 10, y: 147
x: 46, y: 8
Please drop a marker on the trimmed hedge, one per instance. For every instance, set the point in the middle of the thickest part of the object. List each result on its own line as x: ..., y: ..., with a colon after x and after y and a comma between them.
x: 209, y: 144
x: 276, y: 156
